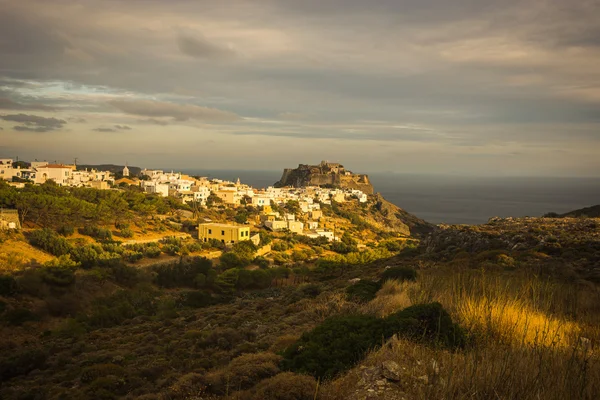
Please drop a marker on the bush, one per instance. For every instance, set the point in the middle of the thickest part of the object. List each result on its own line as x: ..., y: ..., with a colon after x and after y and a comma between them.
x: 184, y: 273
x: 362, y: 291
x: 244, y: 371
x: 125, y: 275
x: 132, y: 256
x: 126, y: 233
x: 197, y: 299
x: 122, y: 225
x: 399, y: 273
x: 311, y: 290
x: 340, y: 342
x: 427, y: 322
x: 334, y: 346
x: 262, y: 262
x: 96, y: 232
x: 19, y: 316
x: 8, y: 285
x: 50, y: 241
x: 59, y: 272
x: 66, y: 230
x: 285, y: 386
x: 21, y: 362
x: 94, y: 372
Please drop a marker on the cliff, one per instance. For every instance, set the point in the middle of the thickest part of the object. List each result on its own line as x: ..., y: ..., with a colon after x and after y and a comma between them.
x: 324, y: 174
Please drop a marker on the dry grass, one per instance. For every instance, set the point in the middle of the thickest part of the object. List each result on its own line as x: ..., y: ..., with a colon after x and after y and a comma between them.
x: 393, y: 296
x: 508, y: 320
x: 17, y: 254
x: 526, y: 340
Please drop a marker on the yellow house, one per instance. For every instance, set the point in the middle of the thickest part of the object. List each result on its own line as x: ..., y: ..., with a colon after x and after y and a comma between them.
x: 224, y: 233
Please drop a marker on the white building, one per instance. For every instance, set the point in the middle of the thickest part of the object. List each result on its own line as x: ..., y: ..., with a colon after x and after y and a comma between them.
x: 59, y: 173
x: 155, y: 187
x: 7, y: 172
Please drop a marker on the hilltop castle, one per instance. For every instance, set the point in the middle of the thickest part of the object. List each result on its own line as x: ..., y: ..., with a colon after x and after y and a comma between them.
x: 324, y: 174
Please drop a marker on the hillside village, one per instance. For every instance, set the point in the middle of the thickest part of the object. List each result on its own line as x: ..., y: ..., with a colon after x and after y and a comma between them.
x: 198, y: 191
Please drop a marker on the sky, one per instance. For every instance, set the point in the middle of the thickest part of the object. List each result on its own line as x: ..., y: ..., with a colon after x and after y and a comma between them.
x: 467, y: 87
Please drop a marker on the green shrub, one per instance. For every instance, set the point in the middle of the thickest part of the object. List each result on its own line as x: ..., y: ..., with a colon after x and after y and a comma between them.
x: 197, y: 299
x: 400, y: 274
x: 311, y: 290
x: 59, y: 272
x: 184, y: 273
x: 50, y: 241
x: 122, y: 225
x: 132, y: 256
x: 96, y: 232
x: 125, y: 275
x: 89, y: 374
x: 391, y: 245
x: 362, y: 291
x: 66, y: 230
x: 244, y: 371
x: 126, y: 233
x: 427, y: 322
x: 8, y: 285
x: 19, y: 316
x: 340, y: 342
x: 334, y: 346
x: 262, y: 262
x: 285, y: 386
x: 21, y: 362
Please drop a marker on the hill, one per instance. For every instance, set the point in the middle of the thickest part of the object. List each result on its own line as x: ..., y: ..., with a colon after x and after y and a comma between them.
x: 90, y: 315
x: 590, y: 212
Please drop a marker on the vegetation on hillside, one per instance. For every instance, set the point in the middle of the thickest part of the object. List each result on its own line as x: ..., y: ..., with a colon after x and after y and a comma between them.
x: 509, y: 309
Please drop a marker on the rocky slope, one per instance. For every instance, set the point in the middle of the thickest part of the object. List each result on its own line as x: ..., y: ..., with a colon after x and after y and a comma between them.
x: 574, y: 241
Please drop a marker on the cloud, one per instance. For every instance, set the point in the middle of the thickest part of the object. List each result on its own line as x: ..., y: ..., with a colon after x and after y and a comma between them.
x: 180, y: 112
x: 153, y: 121
x: 78, y: 120
x: 34, y: 123
x: 201, y: 48
x: 292, y: 116
x: 115, y: 128
x: 8, y: 104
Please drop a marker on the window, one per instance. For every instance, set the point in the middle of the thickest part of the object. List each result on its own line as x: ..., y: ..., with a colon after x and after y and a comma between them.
x: 222, y: 233
x: 210, y: 231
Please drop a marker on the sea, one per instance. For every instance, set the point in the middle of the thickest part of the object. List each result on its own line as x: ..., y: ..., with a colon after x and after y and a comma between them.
x: 459, y: 200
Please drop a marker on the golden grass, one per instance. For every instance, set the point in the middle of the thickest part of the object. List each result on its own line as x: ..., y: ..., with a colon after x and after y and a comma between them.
x: 510, y: 321
x: 526, y: 340
x: 17, y: 254
x: 392, y: 297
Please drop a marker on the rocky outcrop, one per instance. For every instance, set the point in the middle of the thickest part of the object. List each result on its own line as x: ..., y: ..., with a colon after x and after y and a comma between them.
x: 325, y: 174
x: 393, y: 216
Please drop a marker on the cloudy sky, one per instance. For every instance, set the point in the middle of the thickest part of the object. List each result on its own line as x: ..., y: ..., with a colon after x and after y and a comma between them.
x: 494, y: 87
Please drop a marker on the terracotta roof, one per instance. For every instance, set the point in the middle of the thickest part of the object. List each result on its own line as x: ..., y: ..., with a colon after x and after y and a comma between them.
x: 125, y: 180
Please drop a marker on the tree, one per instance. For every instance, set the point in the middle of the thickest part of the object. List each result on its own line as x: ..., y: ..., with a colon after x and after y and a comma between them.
x: 213, y: 199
